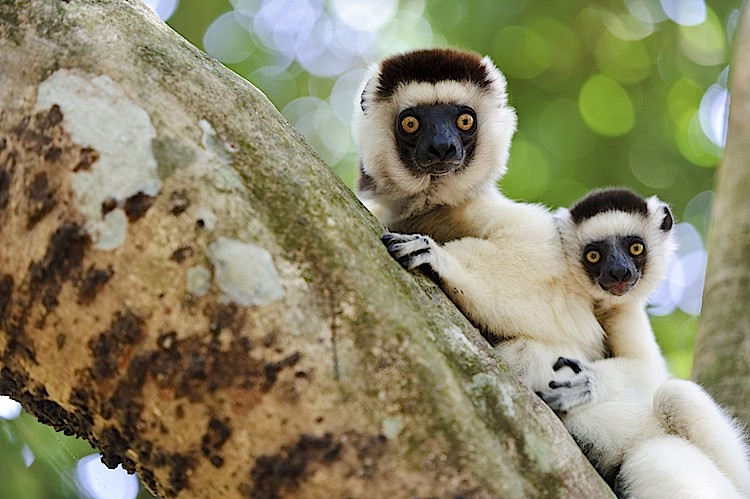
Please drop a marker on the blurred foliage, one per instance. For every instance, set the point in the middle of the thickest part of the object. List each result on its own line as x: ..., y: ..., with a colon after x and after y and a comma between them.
x: 608, y: 93
x: 603, y: 97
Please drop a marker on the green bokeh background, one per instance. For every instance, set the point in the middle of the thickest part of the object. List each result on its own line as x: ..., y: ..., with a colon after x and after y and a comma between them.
x: 603, y: 99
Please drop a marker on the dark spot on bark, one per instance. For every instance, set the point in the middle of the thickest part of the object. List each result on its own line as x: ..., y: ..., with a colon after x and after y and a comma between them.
x: 269, y: 340
x: 195, y: 373
x: 91, y: 283
x: 19, y: 129
x: 192, y: 367
x: 49, y: 119
x: 127, y: 401
x: 41, y: 199
x: 49, y: 299
x: 179, y: 412
x: 148, y: 479
x: 145, y: 449
x: 13, y: 324
x: 36, y: 401
x: 137, y: 205
x: 60, y: 340
x: 125, y: 331
x: 185, y: 367
x: 178, y: 202
x: 34, y: 138
x: 226, y: 316
x: 3, y: 144
x: 52, y: 414
x: 244, y: 343
x: 12, y: 383
x: 200, y: 223
x: 81, y: 400
x: 276, y: 475
x: 216, y: 435
x: 53, y: 154
x: 108, y: 205
x: 113, y: 447
x: 272, y: 369
x: 5, y: 179
x: 6, y: 293
x: 182, y: 253
x: 87, y: 157
x: 61, y: 263
x: 180, y: 465
x: 126, y: 404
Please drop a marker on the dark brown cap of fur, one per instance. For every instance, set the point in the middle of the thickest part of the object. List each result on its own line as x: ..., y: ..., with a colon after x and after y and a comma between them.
x: 431, y: 66
x: 613, y: 199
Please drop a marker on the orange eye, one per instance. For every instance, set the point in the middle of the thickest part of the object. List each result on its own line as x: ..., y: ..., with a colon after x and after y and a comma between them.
x: 636, y: 249
x: 410, y: 124
x: 593, y: 256
x: 465, y: 122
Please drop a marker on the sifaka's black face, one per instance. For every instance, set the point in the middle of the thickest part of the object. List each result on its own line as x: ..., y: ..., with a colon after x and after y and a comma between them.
x: 615, y: 264
x: 436, y: 139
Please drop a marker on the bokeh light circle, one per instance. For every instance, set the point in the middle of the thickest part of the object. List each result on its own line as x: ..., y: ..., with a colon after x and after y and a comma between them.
x: 606, y: 107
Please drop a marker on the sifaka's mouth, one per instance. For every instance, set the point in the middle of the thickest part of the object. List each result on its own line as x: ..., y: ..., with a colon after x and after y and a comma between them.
x: 440, y: 167
x: 618, y: 288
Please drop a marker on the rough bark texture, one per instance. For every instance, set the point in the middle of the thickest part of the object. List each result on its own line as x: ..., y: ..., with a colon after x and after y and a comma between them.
x: 187, y: 286
x: 722, y: 347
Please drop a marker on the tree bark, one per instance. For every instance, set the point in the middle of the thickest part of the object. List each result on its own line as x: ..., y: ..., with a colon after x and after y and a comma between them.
x: 187, y: 286
x: 723, y: 339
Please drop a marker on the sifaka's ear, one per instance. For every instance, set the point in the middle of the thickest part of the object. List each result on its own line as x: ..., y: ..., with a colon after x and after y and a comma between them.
x: 667, y: 221
x: 363, y: 103
x: 368, y: 87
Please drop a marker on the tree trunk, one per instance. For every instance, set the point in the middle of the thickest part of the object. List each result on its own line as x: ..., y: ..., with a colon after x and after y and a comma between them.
x: 187, y: 286
x: 723, y: 340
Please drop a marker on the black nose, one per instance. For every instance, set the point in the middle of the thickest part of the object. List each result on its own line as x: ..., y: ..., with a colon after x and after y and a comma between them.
x: 442, y: 151
x: 620, y: 274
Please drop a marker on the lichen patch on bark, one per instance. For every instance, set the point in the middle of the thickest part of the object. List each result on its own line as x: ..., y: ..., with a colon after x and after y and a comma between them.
x: 117, y: 162
x: 245, y: 272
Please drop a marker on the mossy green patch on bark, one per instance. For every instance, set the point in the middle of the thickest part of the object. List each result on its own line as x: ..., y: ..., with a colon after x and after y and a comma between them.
x: 171, y: 155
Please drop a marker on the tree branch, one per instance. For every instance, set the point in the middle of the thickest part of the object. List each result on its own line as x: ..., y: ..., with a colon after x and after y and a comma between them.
x: 187, y: 286
x: 723, y: 339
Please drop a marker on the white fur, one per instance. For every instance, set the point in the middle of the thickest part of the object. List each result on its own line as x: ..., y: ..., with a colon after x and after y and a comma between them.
x: 652, y: 464
x: 504, y: 265
x: 684, y: 409
x: 402, y: 195
x: 680, y: 408
x: 660, y: 246
x: 515, y: 283
x: 711, y: 446
x: 672, y: 468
